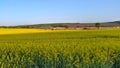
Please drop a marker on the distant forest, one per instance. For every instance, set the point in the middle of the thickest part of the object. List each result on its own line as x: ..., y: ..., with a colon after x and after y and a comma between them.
x: 66, y: 25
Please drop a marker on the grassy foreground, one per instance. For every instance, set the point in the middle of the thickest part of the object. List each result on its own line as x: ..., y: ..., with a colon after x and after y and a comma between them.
x: 60, y: 49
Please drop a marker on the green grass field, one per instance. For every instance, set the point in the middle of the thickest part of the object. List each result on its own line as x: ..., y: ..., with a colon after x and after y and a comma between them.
x: 64, y: 49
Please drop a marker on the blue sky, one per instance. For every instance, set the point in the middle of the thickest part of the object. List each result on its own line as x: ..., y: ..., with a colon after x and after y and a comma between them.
x: 20, y: 12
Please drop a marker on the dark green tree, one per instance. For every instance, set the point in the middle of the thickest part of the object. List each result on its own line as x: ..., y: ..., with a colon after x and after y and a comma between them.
x: 97, y: 25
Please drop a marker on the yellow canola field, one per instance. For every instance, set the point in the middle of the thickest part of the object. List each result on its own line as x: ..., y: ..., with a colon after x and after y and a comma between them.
x: 4, y: 31
x: 20, y: 31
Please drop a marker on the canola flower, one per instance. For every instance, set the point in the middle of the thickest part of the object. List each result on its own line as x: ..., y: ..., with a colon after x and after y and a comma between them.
x: 4, y: 31
x: 61, y: 49
x: 20, y: 30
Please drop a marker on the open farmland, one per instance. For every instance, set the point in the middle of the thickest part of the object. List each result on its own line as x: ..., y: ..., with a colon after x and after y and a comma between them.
x: 60, y: 49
